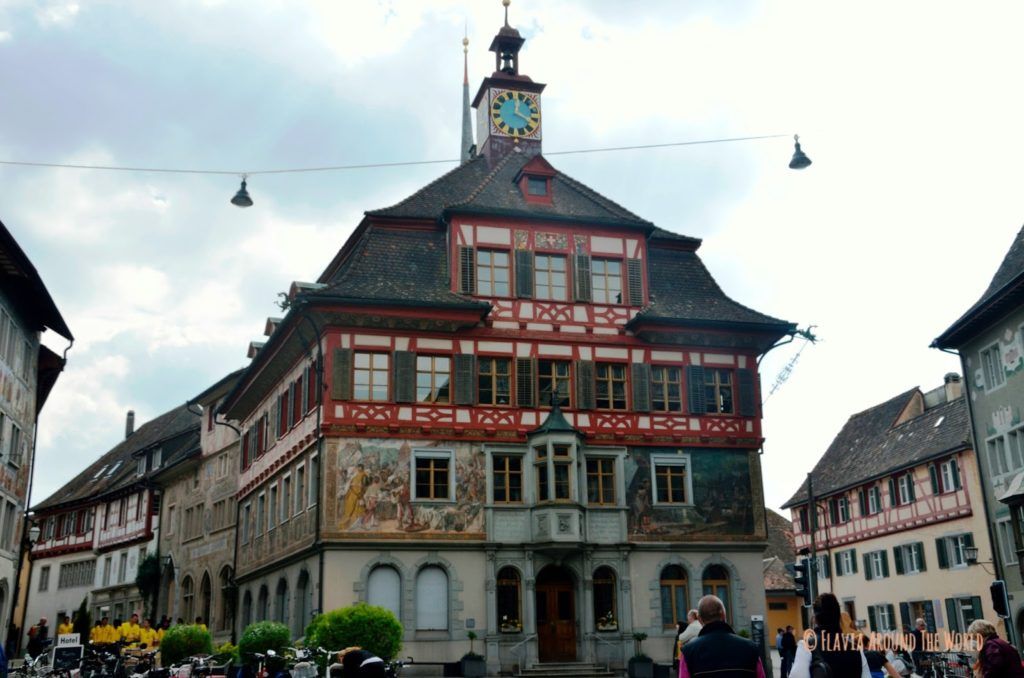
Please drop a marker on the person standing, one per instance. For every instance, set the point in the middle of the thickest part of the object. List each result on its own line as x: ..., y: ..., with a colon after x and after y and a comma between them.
x: 717, y: 652
x: 922, y: 662
x: 38, y: 636
x: 996, y: 658
x: 65, y: 626
x: 693, y: 627
x: 828, y: 634
x: 788, y: 652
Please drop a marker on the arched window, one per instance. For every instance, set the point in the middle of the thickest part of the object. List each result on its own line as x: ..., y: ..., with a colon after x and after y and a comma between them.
x: 262, y: 603
x: 673, y: 596
x: 302, y: 604
x: 228, y: 597
x: 281, y: 602
x: 716, y: 583
x: 432, y: 599
x: 510, y: 610
x: 188, y: 597
x: 384, y: 588
x: 205, y: 599
x: 247, y: 608
x: 606, y: 616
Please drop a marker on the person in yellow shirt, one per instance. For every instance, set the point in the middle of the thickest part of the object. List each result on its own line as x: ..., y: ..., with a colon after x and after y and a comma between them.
x: 65, y: 626
x: 200, y: 624
x: 148, y: 636
x: 130, y: 630
x: 103, y: 632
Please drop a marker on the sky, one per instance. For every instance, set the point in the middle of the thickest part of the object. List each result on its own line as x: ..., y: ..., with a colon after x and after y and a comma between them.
x: 909, y: 111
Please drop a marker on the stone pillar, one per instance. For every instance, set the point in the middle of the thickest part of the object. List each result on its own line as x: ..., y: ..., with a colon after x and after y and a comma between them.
x: 529, y: 611
x: 492, y: 632
x: 625, y: 611
x: 586, y: 624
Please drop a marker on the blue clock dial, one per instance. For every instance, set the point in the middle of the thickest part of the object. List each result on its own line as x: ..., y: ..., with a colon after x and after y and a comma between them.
x: 515, y: 113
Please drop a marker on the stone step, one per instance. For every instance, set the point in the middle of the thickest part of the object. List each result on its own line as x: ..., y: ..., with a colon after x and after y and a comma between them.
x: 567, y: 670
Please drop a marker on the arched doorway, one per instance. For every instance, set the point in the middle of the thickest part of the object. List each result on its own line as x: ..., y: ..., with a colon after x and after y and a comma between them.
x: 555, y: 598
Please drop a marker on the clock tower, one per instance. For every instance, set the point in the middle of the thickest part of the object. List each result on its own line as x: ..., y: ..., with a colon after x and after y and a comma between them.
x: 508, y: 104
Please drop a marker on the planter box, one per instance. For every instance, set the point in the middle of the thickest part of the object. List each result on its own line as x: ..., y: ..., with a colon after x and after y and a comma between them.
x: 474, y: 668
x: 641, y: 667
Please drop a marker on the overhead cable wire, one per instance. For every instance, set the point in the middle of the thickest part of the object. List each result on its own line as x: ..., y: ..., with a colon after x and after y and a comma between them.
x: 333, y: 168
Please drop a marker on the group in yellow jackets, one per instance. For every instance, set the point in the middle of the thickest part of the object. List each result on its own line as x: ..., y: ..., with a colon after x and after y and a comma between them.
x: 130, y: 632
x: 104, y: 632
x: 65, y: 626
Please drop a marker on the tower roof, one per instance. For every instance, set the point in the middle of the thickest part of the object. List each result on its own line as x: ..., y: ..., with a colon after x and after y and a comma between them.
x: 555, y: 422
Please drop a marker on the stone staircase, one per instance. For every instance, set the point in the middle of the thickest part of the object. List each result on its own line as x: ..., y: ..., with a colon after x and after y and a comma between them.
x: 568, y: 670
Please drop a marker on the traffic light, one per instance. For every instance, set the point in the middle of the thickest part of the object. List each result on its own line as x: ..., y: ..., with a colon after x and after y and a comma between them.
x: 1000, y: 601
x: 802, y: 573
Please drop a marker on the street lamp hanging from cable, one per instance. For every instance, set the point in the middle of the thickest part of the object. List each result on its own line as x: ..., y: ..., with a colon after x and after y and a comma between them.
x: 242, y: 198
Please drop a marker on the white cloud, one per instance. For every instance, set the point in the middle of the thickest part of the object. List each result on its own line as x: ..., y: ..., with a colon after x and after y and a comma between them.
x: 57, y: 13
x: 5, y: 36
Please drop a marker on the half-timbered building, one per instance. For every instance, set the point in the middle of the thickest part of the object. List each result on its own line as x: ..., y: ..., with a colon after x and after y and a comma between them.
x: 511, y: 406
x: 899, y: 506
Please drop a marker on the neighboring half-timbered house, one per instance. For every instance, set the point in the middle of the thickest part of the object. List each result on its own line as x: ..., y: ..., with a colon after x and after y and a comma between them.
x: 509, y: 405
x: 899, y: 506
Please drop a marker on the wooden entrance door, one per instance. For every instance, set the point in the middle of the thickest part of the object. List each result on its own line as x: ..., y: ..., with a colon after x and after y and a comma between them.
x: 556, y: 615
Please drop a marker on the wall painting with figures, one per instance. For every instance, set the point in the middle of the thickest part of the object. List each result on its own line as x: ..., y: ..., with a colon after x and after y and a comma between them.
x: 726, y: 502
x: 368, y: 482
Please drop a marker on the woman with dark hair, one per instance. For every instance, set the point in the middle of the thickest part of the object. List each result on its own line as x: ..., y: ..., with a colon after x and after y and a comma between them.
x: 827, y: 645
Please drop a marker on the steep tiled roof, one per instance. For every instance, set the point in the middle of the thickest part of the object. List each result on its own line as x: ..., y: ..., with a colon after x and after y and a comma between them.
x: 683, y: 289
x: 21, y: 283
x: 780, y: 537
x: 776, y: 576
x: 475, y: 186
x: 870, y: 446
x: 389, y: 265
x: 176, y: 432
x: 1005, y: 292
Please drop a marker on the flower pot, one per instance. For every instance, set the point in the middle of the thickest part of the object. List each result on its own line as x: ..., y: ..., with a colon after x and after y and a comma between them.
x: 473, y: 667
x: 640, y: 667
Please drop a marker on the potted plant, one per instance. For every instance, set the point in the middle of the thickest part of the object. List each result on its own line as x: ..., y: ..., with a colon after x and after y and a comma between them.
x: 510, y: 625
x: 473, y: 664
x: 640, y: 665
x: 607, y: 622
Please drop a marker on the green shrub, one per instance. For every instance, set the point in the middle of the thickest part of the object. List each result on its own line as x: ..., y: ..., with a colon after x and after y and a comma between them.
x: 372, y: 628
x: 226, y: 649
x: 263, y: 636
x: 183, y: 641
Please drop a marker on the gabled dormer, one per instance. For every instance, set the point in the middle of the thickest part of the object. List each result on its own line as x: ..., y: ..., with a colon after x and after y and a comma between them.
x: 535, y: 181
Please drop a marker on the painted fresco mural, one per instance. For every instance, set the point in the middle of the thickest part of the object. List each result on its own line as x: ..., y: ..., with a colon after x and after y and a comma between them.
x: 374, y: 495
x: 723, y: 496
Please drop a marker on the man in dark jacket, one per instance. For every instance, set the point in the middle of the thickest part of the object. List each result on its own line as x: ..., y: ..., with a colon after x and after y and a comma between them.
x: 788, y: 653
x: 717, y: 652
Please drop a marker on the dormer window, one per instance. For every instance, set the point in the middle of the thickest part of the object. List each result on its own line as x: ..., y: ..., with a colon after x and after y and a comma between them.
x: 537, y: 186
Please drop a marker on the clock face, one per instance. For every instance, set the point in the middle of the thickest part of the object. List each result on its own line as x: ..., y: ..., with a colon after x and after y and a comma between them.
x: 516, y: 114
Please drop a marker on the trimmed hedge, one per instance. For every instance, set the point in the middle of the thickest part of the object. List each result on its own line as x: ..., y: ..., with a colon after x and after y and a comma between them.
x: 372, y: 628
x: 182, y: 641
x: 263, y: 636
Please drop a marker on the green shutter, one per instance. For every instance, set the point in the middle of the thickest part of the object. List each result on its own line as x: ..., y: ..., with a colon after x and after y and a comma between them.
x: 833, y: 512
x: 635, y: 285
x: 975, y: 608
x: 465, y: 379
x: 867, y: 567
x: 940, y: 549
x: 586, y: 396
x: 957, y: 484
x: 526, y: 383
x: 276, y: 417
x: 905, y: 619
x: 828, y: 564
x: 952, y: 618
x: 871, y: 618
x: 695, y: 389
x: 885, y: 563
x: 747, y: 401
x: 933, y: 473
x: 968, y: 540
x: 839, y: 566
x: 341, y: 374
x: 853, y: 559
x: 524, y: 273
x: 892, y: 615
x: 892, y: 492
x: 581, y: 266
x: 919, y: 547
x: 641, y: 383
x: 913, y: 486
x: 467, y: 272
x: 862, y: 501
x: 404, y: 369
x: 897, y: 558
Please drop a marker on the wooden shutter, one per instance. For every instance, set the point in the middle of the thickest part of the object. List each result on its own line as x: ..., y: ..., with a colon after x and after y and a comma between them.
x: 586, y: 396
x: 911, y: 486
x: 867, y: 567
x: 833, y: 512
x: 897, y: 556
x: 634, y: 281
x: 467, y: 272
x: 827, y: 563
x: 940, y: 549
x: 404, y: 376
x: 839, y: 565
x: 871, y: 618
x: 853, y: 559
x: 969, y: 540
x: 341, y: 374
x: 524, y: 273
x: 747, y: 402
x: 465, y: 379
x: 905, y: 619
x: 929, y: 615
x: 641, y: 382
x: 526, y: 383
x: 862, y: 501
x: 957, y: 484
x: 695, y: 390
x: 919, y: 547
x: 581, y: 269
x: 276, y: 418
x: 952, y: 618
x: 933, y: 474
x: 892, y: 492
x: 885, y: 563
x: 976, y: 607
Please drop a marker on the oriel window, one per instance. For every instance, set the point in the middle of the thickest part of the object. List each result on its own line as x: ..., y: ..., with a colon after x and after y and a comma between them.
x: 718, y: 391
x: 492, y: 273
x: 540, y: 456
x: 433, y: 379
x: 370, y: 376
x: 494, y: 382
x: 562, y: 462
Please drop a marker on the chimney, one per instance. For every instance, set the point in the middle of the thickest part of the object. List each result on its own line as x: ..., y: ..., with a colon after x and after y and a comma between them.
x: 129, y: 424
x: 954, y: 387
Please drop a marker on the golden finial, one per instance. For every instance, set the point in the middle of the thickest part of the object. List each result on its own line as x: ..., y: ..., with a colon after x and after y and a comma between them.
x: 506, y: 3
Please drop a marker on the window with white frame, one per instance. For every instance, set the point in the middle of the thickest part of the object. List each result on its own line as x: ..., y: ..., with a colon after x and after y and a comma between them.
x: 300, y: 488
x: 246, y: 521
x: 846, y: 564
x: 843, y: 509
x: 879, y: 566
x: 874, y: 500
x: 272, y: 512
x: 672, y: 480
x: 992, y: 367
x: 108, y: 565
x: 1007, y: 541
x: 905, y: 488
x: 286, y: 498
x: 953, y: 550
x: 261, y: 514
x: 384, y: 589
x: 432, y: 599
x: 433, y: 475
x: 1015, y: 449
x: 909, y: 558
x: 44, y: 578
x: 950, y: 475
x: 997, y: 461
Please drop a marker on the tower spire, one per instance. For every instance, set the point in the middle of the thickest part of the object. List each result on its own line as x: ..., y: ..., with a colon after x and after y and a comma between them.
x: 467, y: 125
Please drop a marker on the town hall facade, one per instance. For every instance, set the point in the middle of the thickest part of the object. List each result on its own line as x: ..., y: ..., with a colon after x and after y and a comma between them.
x: 508, y: 406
